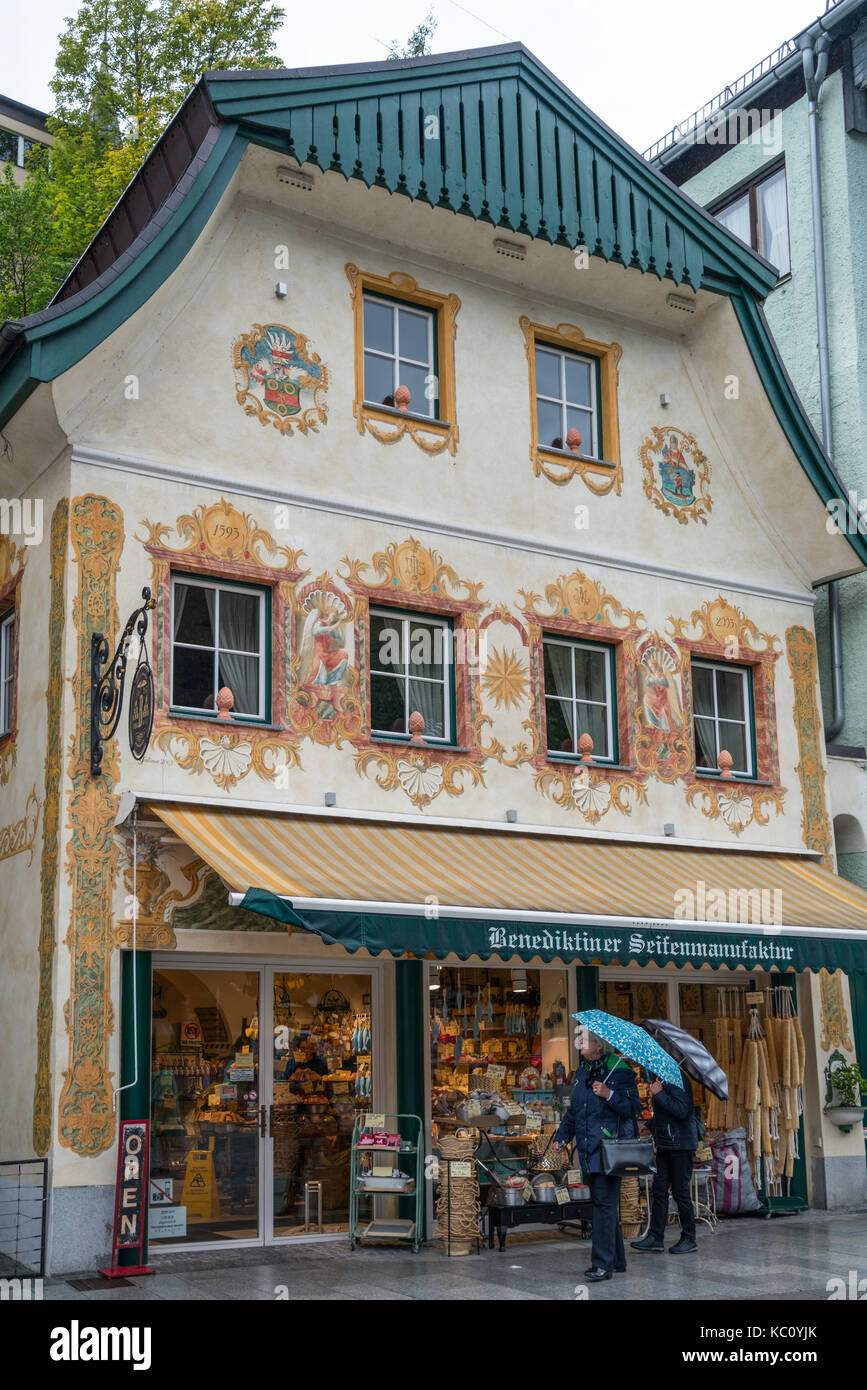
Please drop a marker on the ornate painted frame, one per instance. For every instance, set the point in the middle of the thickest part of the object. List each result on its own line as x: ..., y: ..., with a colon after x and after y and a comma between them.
x: 408, y: 575
x: 310, y: 418
x: 580, y: 607
x: 222, y: 542
x: 717, y: 626
x: 699, y: 509
x: 388, y: 426
x: 600, y: 478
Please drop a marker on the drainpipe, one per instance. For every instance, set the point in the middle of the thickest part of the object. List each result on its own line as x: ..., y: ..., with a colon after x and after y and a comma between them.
x: 814, y: 57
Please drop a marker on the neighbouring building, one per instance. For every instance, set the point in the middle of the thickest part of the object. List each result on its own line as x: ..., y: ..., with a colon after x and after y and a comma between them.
x: 748, y: 157
x: 434, y: 447
x: 21, y: 128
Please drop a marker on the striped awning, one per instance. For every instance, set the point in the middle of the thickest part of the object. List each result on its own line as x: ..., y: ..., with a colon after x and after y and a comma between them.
x: 439, y: 889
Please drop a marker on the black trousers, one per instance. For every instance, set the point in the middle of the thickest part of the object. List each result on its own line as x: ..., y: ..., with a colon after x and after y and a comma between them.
x: 607, y: 1250
x: 673, y: 1170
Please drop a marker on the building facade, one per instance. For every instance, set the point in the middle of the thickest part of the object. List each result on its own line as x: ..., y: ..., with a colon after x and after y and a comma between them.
x: 413, y: 421
x: 22, y: 128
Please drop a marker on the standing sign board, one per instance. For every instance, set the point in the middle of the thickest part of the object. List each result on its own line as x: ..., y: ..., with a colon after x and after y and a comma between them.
x: 129, y: 1205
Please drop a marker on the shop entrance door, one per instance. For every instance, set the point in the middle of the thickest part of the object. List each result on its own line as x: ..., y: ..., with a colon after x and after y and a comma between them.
x: 258, y: 1074
x: 321, y: 1077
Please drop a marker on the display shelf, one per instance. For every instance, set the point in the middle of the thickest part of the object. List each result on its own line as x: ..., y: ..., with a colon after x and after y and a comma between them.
x: 380, y: 1227
x: 390, y: 1229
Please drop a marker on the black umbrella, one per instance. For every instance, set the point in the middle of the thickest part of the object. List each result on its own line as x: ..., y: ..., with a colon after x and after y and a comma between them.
x: 692, y: 1055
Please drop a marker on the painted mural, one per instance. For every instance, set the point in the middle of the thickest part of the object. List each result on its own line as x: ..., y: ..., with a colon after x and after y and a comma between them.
x: 676, y: 475
x: 50, y: 828
x: 19, y: 837
x: 815, y: 824
x: 835, y: 1023
x: 85, y: 1112
x: 324, y: 701
x: 663, y: 742
x: 13, y: 558
x: 275, y: 374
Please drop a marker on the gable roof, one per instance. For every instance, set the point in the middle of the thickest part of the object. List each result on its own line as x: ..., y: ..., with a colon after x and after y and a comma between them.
x: 490, y: 134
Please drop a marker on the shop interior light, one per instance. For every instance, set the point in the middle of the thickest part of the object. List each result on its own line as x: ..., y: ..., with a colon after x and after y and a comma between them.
x: 435, y: 978
x: 519, y: 982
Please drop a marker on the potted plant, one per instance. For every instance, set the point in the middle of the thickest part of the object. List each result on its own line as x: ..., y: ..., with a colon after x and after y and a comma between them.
x: 845, y: 1108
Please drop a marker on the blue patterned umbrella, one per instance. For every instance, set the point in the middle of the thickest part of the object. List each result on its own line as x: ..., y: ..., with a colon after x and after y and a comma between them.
x: 633, y: 1042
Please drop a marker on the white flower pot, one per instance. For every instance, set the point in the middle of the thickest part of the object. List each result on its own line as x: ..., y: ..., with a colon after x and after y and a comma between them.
x: 845, y: 1116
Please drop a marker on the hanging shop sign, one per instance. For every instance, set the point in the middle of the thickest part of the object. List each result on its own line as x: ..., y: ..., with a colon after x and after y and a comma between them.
x: 130, y: 1198
x: 107, y: 680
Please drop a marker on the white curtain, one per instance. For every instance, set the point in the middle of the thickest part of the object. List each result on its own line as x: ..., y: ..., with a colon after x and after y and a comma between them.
x: 737, y: 219
x: 239, y: 628
x: 774, y: 222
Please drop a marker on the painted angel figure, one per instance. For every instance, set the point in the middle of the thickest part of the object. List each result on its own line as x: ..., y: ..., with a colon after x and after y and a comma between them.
x: 661, y: 703
x: 323, y: 644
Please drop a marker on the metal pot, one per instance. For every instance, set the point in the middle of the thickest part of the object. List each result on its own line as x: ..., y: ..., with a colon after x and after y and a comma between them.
x: 508, y: 1197
x: 544, y: 1188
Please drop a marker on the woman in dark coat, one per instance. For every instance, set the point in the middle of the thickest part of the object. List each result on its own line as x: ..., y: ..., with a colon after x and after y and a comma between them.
x: 675, y: 1134
x: 604, y: 1099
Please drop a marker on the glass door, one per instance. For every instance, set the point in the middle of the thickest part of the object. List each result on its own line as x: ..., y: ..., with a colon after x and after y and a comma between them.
x: 206, y: 1131
x: 321, y: 1074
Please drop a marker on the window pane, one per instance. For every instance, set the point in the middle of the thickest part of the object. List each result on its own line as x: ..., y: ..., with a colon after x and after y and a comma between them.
x: 194, y: 614
x: 387, y: 704
x: 378, y: 326
x: 705, y: 743
x: 427, y: 650
x: 561, y: 734
x: 239, y: 622
x: 578, y: 382
x: 550, y: 424
x: 378, y: 378
x: 386, y: 637
x: 558, y: 669
x: 241, y: 675
x: 773, y: 220
x: 702, y: 690
x: 589, y: 674
x: 737, y: 218
x: 9, y: 146
x: 413, y: 335
x: 582, y: 421
x: 429, y: 700
x: 547, y: 373
x: 732, y: 737
x: 730, y: 695
x: 416, y: 379
x: 193, y: 683
x: 592, y: 720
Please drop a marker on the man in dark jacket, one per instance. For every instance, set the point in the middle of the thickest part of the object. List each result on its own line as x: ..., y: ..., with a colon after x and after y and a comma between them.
x: 604, y: 1096
x: 675, y: 1134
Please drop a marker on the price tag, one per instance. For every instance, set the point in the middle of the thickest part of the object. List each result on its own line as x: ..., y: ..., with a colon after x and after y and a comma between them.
x: 513, y: 1109
x: 461, y: 1169
x: 755, y: 996
x: 495, y: 1074
x: 528, y: 1192
x: 573, y: 1177
x: 562, y: 1196
x: 534, y: 1122
x: 474, y: 1108
x: 374, y: 1122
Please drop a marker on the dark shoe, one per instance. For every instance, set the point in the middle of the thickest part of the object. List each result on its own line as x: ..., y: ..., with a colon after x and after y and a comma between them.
x: 684, y: 1246
x: 596, y: 1275
x: 648, y: 1243
x: 620, y: 1269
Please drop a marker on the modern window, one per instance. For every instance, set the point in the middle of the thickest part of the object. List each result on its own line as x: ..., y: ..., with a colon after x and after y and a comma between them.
x: 722, y: 716
x: 759, y: 215
x: 7, y: 670
x: 411, y: 669
x: 399, y: 350
x: 14, y: 148
x: 219, y: 638
x: 567, y: 398
x: 579, y: 696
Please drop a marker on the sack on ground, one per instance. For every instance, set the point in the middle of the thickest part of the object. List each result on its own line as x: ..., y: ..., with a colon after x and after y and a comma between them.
x: 733, y: 1187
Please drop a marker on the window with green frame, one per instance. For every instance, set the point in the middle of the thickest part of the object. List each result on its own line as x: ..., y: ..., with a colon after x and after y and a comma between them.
x: 411, y: 668
x: 221, y: 636
x: 723, y: 718
x: 580, y: 696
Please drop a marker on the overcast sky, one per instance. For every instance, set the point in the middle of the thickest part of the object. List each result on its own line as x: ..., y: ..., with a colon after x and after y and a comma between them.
x: 641, y: 65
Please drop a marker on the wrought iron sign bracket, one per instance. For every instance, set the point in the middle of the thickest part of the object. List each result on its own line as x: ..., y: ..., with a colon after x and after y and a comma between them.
x: 107, y: 680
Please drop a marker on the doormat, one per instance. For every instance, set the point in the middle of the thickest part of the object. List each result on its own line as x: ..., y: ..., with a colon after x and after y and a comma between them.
x: 89, y: 1285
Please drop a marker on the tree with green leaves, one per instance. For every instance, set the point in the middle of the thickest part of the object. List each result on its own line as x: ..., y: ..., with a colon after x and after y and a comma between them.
x: 123, y: 67
x: 29, y: 267
x: 419, y: 42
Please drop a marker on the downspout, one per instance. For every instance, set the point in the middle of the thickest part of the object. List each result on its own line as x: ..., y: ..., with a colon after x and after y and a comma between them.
x: 814, y: 56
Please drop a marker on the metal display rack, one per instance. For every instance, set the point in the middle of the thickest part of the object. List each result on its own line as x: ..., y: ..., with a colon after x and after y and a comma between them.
x: 385, y: 1227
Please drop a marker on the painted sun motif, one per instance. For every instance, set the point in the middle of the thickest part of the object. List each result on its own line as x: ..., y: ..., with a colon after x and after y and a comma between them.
x: 505, y: 679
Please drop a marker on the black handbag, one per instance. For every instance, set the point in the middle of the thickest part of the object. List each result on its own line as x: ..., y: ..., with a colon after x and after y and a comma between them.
x: 627, y: 1158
